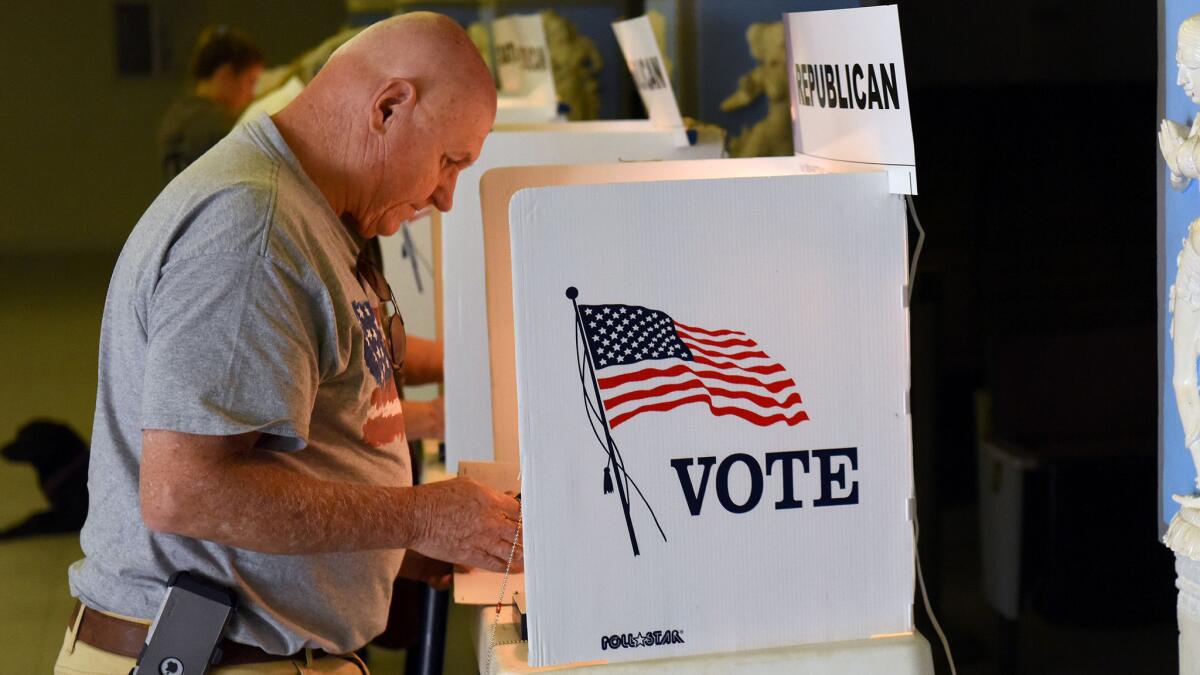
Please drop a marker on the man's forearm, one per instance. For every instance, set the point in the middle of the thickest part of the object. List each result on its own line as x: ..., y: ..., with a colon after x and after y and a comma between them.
x: 423, y: 362
x: 223, y: 489
x: 252, y: 500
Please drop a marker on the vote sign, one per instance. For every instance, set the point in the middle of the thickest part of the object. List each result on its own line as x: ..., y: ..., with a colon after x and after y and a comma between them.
x: 712, y: 383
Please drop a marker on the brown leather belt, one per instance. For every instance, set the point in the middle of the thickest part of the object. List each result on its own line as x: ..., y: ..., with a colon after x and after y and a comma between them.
x: 124, y: 637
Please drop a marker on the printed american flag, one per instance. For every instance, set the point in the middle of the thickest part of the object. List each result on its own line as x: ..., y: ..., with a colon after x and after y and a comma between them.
x: 384, y: 424
x: 645, y: 361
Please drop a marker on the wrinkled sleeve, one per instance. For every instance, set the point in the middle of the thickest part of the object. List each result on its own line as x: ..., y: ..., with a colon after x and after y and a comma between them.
x: 232, y: 347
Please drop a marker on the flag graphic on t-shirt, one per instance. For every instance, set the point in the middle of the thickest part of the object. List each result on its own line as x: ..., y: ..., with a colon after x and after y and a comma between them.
x: 385, y: 421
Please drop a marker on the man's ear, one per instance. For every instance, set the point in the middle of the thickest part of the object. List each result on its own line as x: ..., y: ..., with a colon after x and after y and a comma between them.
x: 395, y: 99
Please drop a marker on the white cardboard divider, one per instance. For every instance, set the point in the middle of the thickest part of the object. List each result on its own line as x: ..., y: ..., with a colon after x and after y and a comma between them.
x: 744, y: 523
x: 850, y: 109
x: 526, y: 92
x: 646, y: 65
x: 468, y: 397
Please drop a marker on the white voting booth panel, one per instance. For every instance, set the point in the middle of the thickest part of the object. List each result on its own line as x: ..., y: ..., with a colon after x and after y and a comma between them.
x: 467, y: 381
x: 523, y: 110
x: 906, y: 654
x: 746, y: 515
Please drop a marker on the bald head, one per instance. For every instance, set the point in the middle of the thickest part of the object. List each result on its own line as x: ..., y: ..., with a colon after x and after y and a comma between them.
x: 426, y: 47
x: 392, y: 117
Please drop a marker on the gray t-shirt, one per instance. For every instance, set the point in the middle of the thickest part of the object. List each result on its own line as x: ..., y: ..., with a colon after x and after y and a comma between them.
x: 235, y: 307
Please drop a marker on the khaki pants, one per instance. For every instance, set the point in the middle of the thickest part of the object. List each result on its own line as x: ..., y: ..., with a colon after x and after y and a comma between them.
x: 80, y: 658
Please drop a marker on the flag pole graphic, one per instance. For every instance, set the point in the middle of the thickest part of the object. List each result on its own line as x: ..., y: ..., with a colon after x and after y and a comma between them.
x: 614, y: 460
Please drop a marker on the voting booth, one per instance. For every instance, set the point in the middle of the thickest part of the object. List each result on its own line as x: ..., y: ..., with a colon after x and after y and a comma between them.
x: 740, y: 416
x: 701, y: 369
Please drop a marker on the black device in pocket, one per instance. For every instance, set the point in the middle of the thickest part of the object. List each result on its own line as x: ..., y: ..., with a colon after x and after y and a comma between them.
x: 184, y: 637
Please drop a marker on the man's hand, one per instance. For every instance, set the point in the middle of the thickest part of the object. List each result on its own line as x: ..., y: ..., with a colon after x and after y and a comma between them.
x: 468, y: 523
x: 433, y: 572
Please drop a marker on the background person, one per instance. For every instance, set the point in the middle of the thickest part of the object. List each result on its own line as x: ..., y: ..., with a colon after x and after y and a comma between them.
x: 225, y: 68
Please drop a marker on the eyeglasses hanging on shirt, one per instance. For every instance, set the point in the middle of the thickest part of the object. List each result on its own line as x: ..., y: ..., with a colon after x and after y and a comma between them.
x: 390, y: 318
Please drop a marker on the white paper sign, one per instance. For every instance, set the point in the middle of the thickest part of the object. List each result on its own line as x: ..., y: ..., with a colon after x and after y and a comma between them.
x: 715, y: 448
x: 849, y: 92
x: 646, y: 65
x: 522, y: 57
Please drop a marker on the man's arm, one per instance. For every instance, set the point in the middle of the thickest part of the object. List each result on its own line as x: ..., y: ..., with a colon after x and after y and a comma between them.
x: 422, y: 361
x: 424, y: 419
x: 222, y: 489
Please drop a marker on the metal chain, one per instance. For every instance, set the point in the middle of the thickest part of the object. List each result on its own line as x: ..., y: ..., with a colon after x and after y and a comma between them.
x: 500, y: 602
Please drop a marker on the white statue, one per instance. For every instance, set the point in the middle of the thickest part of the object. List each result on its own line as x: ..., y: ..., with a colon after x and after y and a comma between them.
x: 1185, y: 338
x: 1180, y: 145
x: 773, y: 135
x: 1180, y: 148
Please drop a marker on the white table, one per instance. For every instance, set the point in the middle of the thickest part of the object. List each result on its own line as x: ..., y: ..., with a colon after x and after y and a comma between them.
x: 900, y: 655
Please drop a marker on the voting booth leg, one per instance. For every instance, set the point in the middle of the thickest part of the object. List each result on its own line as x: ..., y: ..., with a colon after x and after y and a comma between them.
x: 426, y: 656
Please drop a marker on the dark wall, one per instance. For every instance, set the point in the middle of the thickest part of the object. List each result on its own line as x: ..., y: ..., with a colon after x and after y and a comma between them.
x: 1028, y: 41
x: 80, y: 163
x: 1038, y: 191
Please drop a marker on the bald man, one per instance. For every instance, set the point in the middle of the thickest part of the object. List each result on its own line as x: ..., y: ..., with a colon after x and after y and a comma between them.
x: 247, y: 424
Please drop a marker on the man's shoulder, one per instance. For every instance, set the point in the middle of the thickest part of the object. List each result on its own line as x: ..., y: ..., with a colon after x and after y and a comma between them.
x: 207, y: 213
x: 241, y: 198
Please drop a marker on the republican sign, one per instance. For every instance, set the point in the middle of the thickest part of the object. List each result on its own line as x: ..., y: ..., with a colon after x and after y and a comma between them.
x: 849, y: 93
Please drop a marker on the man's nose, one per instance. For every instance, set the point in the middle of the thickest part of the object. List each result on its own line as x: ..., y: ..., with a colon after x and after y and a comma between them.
x: 443, y: 196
